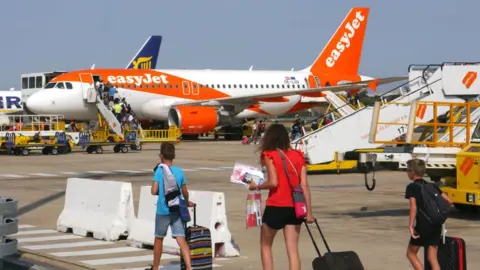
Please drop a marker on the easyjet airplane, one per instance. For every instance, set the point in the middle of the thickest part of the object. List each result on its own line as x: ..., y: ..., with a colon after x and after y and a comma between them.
x: 199, y: 100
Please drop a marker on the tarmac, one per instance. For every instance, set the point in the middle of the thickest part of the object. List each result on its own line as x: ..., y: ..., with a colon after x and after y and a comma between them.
x: 373, y: 224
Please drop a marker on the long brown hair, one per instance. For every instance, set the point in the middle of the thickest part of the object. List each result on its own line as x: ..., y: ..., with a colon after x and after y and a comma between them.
x: 275, y: 137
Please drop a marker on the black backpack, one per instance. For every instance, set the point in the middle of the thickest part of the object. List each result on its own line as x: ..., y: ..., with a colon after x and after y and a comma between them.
x: 435, y: 207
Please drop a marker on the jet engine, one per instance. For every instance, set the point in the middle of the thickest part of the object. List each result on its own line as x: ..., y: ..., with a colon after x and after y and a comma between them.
x: 194, y: 120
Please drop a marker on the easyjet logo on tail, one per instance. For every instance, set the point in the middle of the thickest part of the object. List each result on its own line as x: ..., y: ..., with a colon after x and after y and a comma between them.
x: 139, y: 79
x: 345, y: 40
x: 467, y: 165
x: 469, y: 79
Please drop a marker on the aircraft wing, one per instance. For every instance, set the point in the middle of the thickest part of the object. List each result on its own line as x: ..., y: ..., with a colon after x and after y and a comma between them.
x: 254, y: 97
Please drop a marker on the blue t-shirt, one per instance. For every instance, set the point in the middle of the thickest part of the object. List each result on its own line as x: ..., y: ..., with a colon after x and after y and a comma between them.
x: 162, y: 208
x: 112, y: 91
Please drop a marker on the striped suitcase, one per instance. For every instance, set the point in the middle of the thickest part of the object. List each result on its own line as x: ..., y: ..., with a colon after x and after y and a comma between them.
x: 199, y: 240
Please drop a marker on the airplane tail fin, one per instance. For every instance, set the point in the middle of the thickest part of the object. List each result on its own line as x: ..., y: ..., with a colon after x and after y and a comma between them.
x: 146, y: 57
x: 343, y: 51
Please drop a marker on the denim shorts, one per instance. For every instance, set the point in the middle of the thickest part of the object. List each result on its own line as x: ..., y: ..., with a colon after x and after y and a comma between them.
x: 174, y: 221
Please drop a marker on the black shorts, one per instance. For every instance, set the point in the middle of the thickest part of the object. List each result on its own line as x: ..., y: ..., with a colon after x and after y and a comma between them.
x: 429, y: 236
x: 277, y: 217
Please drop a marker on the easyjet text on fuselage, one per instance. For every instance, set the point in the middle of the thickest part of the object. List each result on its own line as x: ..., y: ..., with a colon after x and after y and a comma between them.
x: 345, y: 40
x: 138, y: 79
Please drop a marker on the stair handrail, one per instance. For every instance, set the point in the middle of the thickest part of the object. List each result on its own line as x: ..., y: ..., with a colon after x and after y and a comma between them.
x: 339, y: 119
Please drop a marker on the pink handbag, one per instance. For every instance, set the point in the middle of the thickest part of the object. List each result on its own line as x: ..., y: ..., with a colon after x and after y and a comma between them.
x: 297, y: 191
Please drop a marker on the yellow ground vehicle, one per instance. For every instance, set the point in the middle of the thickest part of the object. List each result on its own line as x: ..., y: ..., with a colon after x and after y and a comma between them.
x: 94, y: 141
x: 34, y: 132
x: 451, y: 151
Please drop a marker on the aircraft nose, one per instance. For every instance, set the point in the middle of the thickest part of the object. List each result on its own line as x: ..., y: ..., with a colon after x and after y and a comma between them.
x: 38, y: 103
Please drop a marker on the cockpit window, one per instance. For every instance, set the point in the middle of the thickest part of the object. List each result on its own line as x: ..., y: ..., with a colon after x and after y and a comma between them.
x: 50, y: 85
x: 60, y: 85
x: 69, y: 85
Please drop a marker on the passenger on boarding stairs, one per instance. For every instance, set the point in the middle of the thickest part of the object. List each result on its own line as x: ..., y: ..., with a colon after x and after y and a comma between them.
x: 279, y: 211
x: 169, y: 216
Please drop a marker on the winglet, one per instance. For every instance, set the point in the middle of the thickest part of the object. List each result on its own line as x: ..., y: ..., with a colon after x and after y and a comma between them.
x: 373, y: 85
x: 147, y: 56
x: 343, y: 51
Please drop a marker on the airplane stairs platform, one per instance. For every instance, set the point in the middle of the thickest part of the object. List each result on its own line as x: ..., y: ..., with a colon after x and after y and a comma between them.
x: 351, y: 133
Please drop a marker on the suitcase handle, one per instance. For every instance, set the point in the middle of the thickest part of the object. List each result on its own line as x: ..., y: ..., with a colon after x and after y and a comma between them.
x: 194, y: 214
x: 313, y: 240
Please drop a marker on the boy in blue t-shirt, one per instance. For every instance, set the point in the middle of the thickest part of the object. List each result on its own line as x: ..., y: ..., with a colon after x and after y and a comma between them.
x: 164, y: 218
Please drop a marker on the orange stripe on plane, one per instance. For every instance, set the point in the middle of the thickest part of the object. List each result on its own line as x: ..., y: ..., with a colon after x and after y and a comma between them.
x: 170, y: 85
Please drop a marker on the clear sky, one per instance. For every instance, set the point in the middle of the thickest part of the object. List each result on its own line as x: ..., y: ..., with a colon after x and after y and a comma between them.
x: 44, y: 35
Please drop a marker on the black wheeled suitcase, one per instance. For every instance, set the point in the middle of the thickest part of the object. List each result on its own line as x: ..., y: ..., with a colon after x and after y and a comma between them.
x: 199, y: 241
x: 452, y: 254
x: 343, y: 260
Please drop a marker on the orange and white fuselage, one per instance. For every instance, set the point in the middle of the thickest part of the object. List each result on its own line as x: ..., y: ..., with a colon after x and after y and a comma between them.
x: 168, y: 94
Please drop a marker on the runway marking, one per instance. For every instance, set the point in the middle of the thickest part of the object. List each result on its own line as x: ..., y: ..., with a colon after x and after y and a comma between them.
x: 127, y: 171
x: 175, y: 266
x: 208, y: 169
x: 145, y: 258
x: 25, y: 226
x: 35, y: 232
x: 42, y: 174
x: 96, y: 251
x: 13, y: 176
x: 190, y: 170
x: 335, y: 187
x: 69, y: 245
x: 97, y: 172
x: 71, y: 173
x: 113, y: 172
x: 60, y: 246
x: 48, y: 238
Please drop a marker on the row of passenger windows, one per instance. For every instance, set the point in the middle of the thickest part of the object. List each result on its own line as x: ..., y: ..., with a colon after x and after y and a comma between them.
x: 217, y: 86
x: 67, y: 85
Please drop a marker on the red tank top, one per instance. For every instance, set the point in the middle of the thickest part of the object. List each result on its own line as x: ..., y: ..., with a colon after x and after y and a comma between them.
x: 281, y: 196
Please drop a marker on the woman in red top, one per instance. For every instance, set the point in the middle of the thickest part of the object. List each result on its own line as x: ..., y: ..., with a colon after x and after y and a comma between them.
x: 279, y: 211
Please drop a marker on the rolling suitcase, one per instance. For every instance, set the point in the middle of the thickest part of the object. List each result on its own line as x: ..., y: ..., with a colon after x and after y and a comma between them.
x: 452, y: 254
x: 343, y: 260
x: 199, y: 241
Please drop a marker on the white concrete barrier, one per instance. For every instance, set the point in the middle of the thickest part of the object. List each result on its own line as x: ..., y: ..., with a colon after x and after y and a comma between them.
x: 103, y: 208
x: 211, y: 213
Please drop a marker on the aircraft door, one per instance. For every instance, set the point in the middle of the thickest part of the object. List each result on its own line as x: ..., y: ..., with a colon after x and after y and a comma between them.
x: 313, y: 82
x: 88, y: 87
x: 186, y: 88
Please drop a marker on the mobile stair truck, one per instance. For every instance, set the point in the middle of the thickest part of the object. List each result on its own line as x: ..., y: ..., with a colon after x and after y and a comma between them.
x: 451, y: 155
x: 337, y: 145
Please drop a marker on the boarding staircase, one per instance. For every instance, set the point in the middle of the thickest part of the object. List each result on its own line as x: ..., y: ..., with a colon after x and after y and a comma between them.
x: 342, y: 106
x: 352, y: 132
x: 139, y: 127
x: 91, y: 96
x: 109, y: 116
x: 459, y: 132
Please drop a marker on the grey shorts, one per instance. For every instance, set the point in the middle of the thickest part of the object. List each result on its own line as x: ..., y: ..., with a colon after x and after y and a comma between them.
x: 174, y: 221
